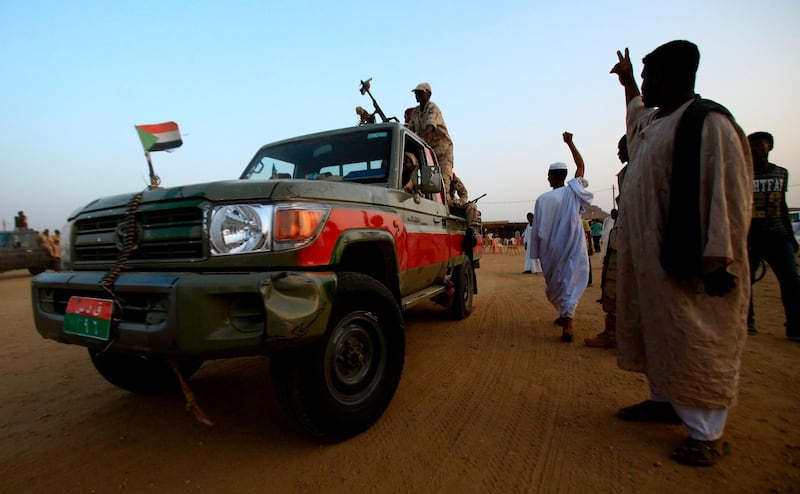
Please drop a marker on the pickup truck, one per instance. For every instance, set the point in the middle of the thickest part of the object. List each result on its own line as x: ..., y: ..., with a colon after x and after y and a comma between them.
x: 310, y: 257
x: 25, y: 250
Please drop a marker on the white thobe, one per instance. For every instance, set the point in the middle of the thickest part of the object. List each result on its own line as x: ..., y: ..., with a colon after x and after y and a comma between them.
x: 608, y: 224
x: 532, y: 265
x: 558, y: 240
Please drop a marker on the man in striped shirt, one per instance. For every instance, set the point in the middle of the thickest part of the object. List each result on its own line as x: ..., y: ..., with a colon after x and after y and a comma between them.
x: 771, y: 236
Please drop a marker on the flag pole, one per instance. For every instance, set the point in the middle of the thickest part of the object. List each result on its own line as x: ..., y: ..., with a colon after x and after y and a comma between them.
x: 155, y: 180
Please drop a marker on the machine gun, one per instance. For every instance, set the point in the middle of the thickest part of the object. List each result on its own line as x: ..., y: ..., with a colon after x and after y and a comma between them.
x: 366, y: 117
x: 476, y: 199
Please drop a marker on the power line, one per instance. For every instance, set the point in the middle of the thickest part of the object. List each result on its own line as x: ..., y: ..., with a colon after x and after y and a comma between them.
x: 534, y: 200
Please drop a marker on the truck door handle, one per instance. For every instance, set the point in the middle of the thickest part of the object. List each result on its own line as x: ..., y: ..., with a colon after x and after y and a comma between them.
x: 437, y: 220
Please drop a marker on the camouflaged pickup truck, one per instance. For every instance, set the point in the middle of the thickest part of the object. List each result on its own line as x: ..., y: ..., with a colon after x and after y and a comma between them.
x: 310, y: 258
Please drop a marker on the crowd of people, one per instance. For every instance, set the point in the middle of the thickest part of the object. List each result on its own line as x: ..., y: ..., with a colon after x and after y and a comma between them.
x: 700, y: 206
x: 677, y: 259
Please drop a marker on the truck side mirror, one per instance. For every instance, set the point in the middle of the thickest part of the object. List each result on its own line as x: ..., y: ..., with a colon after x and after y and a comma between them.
x: 431, y: 182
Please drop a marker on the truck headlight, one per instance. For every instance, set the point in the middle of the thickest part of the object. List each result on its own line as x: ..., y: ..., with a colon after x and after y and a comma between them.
x: 240, y: 228
x: 246, y: 228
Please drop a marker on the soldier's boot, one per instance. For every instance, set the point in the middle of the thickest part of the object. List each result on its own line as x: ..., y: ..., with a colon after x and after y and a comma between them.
x: 607, y: 338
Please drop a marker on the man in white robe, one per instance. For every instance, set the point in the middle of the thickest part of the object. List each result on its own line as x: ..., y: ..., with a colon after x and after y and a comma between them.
x: 682, y: 320
x: 608, y: 224
x: 557, y: 239
x: 531, y: 265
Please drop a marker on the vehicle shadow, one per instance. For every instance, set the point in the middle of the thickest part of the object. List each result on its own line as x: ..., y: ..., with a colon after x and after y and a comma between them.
x: 236, y: 394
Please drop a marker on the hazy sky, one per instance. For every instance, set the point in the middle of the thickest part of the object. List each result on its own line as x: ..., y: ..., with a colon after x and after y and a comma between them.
x: 509, y: 76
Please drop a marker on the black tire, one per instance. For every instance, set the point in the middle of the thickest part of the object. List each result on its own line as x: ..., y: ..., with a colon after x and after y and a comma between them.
x: 464, y: 284
x: 140, y: 374
x: 339, y: 386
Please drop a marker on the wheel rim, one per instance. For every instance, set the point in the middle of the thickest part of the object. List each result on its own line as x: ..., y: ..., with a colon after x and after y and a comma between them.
x: 355, y: 358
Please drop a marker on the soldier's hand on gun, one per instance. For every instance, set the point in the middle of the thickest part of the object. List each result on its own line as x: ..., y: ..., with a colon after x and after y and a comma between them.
x: 623, y: 67
x: 567, y: 137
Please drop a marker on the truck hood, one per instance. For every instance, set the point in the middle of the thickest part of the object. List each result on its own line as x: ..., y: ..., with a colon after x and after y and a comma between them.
x: 248, y: 190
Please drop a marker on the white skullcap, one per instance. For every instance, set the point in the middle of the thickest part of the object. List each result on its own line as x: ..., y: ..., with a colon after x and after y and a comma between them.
x: 558, y: 166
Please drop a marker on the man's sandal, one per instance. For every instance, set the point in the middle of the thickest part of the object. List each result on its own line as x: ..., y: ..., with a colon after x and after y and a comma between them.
x: 650, y: 411
x: 698, y: 453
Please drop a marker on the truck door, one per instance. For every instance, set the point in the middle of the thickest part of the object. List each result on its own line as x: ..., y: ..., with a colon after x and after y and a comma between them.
x: 427, y: 239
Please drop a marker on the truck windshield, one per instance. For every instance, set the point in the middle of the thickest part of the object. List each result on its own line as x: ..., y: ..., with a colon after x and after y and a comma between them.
x: 358, y: 156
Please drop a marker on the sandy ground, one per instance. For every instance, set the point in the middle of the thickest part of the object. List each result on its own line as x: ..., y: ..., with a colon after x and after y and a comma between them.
x: 494, y: 403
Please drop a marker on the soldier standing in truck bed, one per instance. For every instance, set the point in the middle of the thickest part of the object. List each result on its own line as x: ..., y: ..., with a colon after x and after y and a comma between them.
x: 427, y: 121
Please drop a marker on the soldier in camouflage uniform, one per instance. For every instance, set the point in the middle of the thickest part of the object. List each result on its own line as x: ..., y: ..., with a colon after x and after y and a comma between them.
x: 427, y: 121
x: 457, y: 188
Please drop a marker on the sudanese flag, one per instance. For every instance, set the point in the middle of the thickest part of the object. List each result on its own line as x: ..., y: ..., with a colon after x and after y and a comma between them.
x: 159, y: 137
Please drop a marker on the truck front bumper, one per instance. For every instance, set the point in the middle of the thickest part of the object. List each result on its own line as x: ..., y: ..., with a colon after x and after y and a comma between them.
x: 192, y: 315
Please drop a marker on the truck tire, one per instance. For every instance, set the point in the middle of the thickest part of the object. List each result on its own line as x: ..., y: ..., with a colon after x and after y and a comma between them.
x: 339, y: 386
x: 140, y: 374
x: 464, y: 283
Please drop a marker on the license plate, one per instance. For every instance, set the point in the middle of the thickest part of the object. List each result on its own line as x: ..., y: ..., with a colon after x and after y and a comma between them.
x: 90, y: 317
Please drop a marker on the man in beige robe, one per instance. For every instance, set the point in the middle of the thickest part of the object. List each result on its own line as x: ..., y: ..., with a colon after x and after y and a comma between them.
x: 685, y: 334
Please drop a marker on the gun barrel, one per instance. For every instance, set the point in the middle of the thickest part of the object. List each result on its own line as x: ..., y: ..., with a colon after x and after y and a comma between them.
x: 365, y: 86
x: 476, y: 199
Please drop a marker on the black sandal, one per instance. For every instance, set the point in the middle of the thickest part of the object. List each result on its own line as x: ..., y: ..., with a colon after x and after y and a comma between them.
x: 698, y: 453
x: 650, y: 411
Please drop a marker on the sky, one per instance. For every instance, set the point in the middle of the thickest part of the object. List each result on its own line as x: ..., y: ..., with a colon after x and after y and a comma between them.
x: 509, y: 76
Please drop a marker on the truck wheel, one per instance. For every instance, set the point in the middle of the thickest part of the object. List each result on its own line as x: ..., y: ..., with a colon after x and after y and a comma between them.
x: 463, y: 283
x: 340, y: 385
x: 140, y: 374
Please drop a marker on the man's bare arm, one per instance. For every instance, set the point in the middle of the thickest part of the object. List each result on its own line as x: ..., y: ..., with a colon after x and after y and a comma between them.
x: 576, y: 155
x: 624, y: 70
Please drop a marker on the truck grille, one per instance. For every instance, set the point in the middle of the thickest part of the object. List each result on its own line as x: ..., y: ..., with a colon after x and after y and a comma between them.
x: 168, y: 235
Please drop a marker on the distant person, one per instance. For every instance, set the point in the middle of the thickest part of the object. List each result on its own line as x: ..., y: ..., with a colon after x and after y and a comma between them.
x: 531, y: 265
x: 55, y: 241
x: 597, y: 232
x: 20, y: 222
x: 608, y: 224
x: 608, y: 279
x: 683, y: 277
x: 44, y: 241
x: 558, y: 240
x: 771, y: 236
x: 427, y: 121
x: 587, y: 232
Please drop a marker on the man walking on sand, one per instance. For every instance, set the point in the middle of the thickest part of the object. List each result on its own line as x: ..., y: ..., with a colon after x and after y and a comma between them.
x: 557, y: 239
x: 683, y: 277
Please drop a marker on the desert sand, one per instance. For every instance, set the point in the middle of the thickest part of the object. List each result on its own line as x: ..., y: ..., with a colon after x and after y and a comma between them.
x: 493, y: 403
